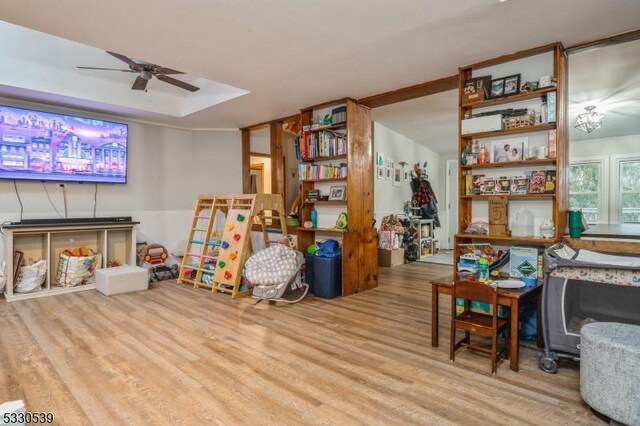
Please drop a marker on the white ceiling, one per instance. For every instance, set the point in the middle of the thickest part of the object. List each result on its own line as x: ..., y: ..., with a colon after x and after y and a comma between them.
x: 289, y: 54
x: 607, y: 78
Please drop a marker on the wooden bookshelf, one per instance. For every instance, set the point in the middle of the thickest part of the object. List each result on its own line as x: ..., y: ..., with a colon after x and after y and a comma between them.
x: 507, y: 132
x: 334, y: 157
x: 512, y: 164
x: 327, y: 202
x: 509, y: 99
x: 331, y: 127
x: 557, y: 200
x: 324, y: 180
x: 326, y: 230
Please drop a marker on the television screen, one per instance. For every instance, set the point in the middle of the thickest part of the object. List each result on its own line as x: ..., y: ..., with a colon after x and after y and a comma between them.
x: 38, y: 145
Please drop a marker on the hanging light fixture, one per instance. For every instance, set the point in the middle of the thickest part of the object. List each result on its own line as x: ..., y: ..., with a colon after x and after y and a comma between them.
x: 590, y: 120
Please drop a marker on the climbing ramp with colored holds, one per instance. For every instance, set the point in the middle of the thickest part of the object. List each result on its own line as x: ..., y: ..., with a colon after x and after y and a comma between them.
x: 224, y: 271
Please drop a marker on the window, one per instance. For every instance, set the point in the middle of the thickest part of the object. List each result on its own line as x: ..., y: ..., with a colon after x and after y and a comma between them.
x: 587, y: 183
x: 629, y: 183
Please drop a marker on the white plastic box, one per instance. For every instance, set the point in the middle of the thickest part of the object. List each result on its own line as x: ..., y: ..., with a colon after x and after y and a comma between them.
x: 122, y: 279
x: 482, y: 124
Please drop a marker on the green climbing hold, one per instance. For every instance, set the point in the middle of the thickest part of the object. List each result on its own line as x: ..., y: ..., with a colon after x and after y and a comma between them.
x: 221, y: 264
x: 240, y: 217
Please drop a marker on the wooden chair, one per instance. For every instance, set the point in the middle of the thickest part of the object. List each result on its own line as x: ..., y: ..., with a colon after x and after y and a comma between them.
x: 478, y: 323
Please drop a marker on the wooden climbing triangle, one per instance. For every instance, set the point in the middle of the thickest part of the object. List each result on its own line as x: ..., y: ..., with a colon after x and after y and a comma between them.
x: 215, y: 258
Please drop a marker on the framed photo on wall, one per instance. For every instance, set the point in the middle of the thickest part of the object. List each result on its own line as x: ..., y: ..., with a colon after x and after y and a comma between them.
x: 397, y: 175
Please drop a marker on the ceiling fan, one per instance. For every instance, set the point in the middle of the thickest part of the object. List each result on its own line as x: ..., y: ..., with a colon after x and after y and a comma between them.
x: 146, y: 72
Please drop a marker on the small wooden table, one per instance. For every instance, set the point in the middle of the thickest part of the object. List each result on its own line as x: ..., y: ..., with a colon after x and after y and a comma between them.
x: 506, y: 297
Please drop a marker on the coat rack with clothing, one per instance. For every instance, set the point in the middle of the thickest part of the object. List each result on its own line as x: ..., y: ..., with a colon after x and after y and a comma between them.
x: 424, y: 196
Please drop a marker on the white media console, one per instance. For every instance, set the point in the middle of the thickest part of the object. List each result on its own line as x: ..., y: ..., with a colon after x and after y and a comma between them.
x: 114, y: 240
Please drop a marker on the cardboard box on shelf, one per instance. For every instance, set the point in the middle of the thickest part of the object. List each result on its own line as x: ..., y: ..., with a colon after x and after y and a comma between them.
x: 390, y: 258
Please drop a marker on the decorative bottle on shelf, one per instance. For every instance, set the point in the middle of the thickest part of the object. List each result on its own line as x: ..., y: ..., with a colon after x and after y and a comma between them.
x: 483, y: 157
x: 314, y: 218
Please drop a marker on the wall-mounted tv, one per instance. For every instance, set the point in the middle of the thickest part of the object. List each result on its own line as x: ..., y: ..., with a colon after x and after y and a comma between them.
x: 38, y: 145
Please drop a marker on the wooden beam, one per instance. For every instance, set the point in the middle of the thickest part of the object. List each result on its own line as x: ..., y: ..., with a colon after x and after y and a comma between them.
x: 606, y: 41
x: 246, y: 161
x: 411, y: 92
x: 514, y: 56
x: 277, y: 158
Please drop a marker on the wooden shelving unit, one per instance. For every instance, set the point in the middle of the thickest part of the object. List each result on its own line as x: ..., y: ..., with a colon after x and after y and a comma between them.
x: 511, y: 164
x: 513, y: 196
x: 559, y: 199
x: 507, y: 132
x: 344, y: 179
x: 315, y: 159
x: 508, y: 99
x: 359, y: 240
x: 113, y: 240
x: 327, y: 202
x: 331, y: 127
x: 327, y: 230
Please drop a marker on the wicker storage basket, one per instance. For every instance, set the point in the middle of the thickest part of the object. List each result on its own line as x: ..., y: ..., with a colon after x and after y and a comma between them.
x: 519, y: 121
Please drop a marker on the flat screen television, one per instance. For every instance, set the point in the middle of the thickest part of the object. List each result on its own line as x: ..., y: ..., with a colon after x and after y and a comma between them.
x: 38, y: 145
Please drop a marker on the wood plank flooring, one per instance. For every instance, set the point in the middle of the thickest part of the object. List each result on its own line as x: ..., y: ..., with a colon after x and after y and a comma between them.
x: 179, y: 356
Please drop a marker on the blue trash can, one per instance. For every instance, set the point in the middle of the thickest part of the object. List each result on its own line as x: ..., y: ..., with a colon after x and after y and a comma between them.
x: 327, y: 277
x: 309, y: 262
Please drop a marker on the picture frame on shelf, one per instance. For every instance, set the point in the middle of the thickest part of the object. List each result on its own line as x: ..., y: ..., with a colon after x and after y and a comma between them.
x: 511, y: 85
x: 407, y: 175
x: 506, y: 150
x: 497, y: 88
x: 476, y: 89
x: 337, y: 193
x: 380, y: 172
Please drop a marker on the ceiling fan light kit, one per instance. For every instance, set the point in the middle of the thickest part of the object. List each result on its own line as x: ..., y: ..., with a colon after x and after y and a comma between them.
x: 146, y: 73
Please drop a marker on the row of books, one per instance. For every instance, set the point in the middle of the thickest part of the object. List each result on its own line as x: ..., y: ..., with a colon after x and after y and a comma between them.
x: 326, y: 143
x: 322, y: 171
x: 536, y: 182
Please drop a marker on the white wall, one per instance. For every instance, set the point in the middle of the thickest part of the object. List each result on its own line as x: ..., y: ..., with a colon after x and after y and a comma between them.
x: 604, y: 146
x: 390, y: 199
x: 167, y: 169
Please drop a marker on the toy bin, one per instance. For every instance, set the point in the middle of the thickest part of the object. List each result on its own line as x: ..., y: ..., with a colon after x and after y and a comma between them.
x: 327, y: 277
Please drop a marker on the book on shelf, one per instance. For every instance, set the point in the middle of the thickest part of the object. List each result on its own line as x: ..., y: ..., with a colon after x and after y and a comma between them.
x: 468, y: 184
x: 326, y: 143
x: 322, y: 171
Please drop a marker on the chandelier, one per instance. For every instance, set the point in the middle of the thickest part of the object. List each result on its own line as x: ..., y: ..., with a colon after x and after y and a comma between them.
x: 590, y: 120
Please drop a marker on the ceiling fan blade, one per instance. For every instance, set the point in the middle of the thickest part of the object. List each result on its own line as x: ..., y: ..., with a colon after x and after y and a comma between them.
x: 134, y: 65
x: 164, y: 70
x: 105, y: 69
x: 140, y: 84
x: 178, y: 83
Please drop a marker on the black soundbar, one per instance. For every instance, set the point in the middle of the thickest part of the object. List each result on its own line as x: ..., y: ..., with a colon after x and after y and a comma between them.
x: 55, y: 221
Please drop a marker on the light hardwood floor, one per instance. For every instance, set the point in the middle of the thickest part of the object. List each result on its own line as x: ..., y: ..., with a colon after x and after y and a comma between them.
x: 175, y: 355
